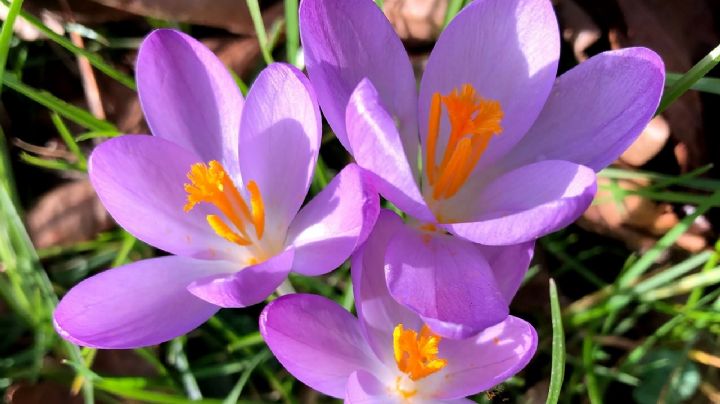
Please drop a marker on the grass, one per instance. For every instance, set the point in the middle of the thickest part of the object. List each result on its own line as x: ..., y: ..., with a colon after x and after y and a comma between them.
x: 619, y: 323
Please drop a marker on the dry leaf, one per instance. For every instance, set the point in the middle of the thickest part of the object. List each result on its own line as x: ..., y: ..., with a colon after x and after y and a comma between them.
x: 681, y: 32
x: 42, y: 392
x: 652, y: 139
x: 636, y: 220
x: 579, y: 29
x: 416, y: 20
x: 231, y: 15
x: 67, y: 214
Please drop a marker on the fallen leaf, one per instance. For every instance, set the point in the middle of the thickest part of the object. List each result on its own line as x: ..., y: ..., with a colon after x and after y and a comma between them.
x: 232, y: 15
x: 416, y: 20
x: 579, y: 29
x: 67, y: 214
x: 42, y: 392
x: 652, y: 139
x: 682, y: 33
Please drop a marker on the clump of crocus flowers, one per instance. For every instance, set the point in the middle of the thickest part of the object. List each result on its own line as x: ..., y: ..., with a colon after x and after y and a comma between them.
x: 492, y: 153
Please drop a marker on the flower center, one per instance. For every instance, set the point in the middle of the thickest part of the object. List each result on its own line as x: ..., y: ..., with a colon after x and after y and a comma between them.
x: 210, y: 183
x: 473, y: 122
x: 416, y: 355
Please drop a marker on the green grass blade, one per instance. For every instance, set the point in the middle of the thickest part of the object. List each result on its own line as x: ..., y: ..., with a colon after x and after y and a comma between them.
x: 94, y: 59
x: 590, y: 370
x: 33, y: 295
x: 245, y: 376
x: 260, y: 31
x: 69, y: 141
x: 292, y: 33
x: 665, y: 242
x: 6, y: 33
x: 706, y: 84
x: 454, y: 7
x: 7, y: 179
x: 688, y: 79
x: 558, y: 348
x: 62, y: 108
x: 147, y: 396
x: 176, y: 356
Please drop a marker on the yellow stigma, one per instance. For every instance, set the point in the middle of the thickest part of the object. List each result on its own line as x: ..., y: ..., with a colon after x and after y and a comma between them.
x: 416, y: 355
x: 210, y: 183
x: 473, y: 122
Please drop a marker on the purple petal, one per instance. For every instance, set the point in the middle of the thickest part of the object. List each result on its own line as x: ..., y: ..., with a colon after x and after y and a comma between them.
x: 331, y: 226
x: 364, y: 388
x: 245, y: 286
x: 508, y: 50
x: 279, y: 142
x: 529, y: 202
x: 379, y: 313
x: 135, y: 305
x: 347, y: 40
x: 189, y: 97
x: 316, y: 340
x: 509, y: 265
x: 596, y: 110
x: 139, y: 180
x: 444, y: 279
x: 479, y: 363
x: 377, y: 147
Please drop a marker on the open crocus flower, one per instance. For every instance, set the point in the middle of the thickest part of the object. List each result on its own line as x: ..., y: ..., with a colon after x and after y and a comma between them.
x: 219, y: 186
x: 387, y: 355
x: 493, y: 149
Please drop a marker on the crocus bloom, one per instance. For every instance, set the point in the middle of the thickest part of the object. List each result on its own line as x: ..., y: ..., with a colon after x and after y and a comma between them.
x: 219, y: 186
x: 387, y: 355
x: 493, y: 149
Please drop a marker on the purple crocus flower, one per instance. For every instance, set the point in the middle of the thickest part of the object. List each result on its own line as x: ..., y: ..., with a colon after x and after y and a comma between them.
x: 493, y: 149
x: 219, y: 186
x: 388, y: 354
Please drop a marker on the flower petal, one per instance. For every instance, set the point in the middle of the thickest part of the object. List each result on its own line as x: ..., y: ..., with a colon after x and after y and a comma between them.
x: 139, y: 180
x: 379, y: 313
x: 508, y: 50
x: 596, y: 110
x: 135, y: 305
x: 365, y: 388
x: 377, y: 147
x: 529, y: 202
x: 279, y: 142
x: 334, y: 223
x: 188, y: 96
x: 444, y: 279
x: 479, y: 363
x: 347, y: 40
x: 509, y: 265
x: 244, y: 286
x: 316, y: 340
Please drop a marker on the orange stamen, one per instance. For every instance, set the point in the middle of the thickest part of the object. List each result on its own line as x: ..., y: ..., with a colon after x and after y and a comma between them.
x: 210, y: 183
x: 258, y: 208
x: 473, y: 122
x: 224, y: 231
x: 416, y: 355
x: 433, y: 129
